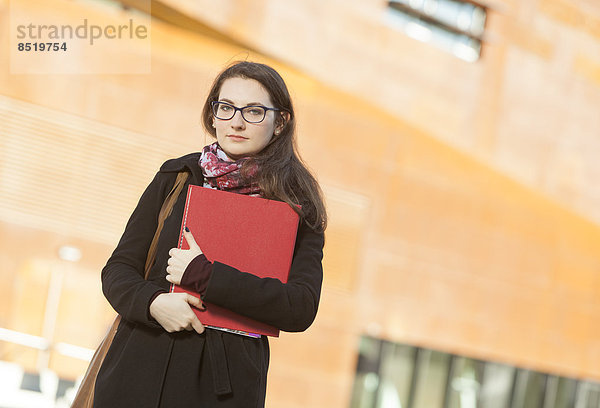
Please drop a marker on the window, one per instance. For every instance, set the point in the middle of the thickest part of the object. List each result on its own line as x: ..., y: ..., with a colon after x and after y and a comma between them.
x: 392, y: 375
x: 455, y: 26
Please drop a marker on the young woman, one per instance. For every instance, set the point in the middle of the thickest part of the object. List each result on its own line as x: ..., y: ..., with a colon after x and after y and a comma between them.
x: 162, y: 356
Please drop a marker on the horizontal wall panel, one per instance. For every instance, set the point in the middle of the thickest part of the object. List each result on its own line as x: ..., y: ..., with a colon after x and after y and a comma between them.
x: 72, y: 175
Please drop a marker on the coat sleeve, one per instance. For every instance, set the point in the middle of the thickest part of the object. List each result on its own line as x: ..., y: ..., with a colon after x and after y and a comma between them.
x: 123, y: 281
x: 291, y: 306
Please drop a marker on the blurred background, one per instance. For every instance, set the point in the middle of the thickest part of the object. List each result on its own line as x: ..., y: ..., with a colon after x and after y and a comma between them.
x: 457, y: 144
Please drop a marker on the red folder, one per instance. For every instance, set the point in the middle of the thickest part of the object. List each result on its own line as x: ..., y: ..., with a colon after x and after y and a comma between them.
x: 251, y: 234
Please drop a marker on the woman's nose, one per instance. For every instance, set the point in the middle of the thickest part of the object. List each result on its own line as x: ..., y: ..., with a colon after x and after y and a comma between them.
x: 237, y: 121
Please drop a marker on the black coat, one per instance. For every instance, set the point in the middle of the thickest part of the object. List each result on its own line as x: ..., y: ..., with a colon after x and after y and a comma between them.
x: 148, y: 367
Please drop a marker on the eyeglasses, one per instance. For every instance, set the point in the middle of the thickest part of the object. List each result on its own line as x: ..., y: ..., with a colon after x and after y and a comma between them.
x: 251, y: 114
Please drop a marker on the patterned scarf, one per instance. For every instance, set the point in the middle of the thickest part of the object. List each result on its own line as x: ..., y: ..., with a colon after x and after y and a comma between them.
x: 223, y: 174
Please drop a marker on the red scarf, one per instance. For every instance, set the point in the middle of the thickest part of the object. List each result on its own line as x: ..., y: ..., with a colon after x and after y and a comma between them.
x: 221, y: 173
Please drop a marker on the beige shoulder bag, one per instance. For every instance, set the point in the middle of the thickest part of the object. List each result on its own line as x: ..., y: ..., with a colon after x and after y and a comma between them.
x: 85, y: 394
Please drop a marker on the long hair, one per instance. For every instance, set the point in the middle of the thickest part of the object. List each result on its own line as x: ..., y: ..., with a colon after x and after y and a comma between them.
x: 282, y: 173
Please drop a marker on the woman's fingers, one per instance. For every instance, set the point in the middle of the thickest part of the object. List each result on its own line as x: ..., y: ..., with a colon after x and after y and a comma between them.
x: 199, y: 327
x: 173, y: 312
x: 194, y: 301
x: 174, y: 260
x: 195, y: 325
x: 174, y: 263
x: 179, y: 259
x: 191, y: 240
x: 173, y: 269
x: 173, y: 279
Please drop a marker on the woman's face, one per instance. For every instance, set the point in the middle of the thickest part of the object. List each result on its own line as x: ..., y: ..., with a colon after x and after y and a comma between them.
x: 237, y: 137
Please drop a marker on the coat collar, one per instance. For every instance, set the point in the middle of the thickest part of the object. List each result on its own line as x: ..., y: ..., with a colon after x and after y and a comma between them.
x: 189, y: 162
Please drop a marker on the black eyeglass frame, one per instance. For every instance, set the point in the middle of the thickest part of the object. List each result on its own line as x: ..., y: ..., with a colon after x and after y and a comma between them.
x: 235, y: 109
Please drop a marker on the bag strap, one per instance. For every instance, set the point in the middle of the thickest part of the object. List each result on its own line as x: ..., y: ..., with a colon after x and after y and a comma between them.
x: 165, y: 211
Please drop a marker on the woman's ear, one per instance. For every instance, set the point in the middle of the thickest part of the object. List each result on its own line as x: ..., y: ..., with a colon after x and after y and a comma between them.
x: 282, y: 120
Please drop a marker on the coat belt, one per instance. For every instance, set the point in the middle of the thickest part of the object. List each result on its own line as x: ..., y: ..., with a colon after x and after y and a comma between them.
x: 218, y: 362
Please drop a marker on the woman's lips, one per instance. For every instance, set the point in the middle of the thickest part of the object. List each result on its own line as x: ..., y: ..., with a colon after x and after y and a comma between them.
x: 237, y: 137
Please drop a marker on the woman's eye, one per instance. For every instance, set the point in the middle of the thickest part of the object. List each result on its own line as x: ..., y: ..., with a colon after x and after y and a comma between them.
x: 225, y: 108
x: 255, y: 111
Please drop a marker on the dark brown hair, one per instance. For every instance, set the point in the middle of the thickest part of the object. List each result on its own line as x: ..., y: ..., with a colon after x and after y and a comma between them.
x: 282, y: 174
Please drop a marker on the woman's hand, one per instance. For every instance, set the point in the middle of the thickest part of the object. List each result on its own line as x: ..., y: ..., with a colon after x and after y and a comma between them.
x: 173, y: 312
x: 181, y: 258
